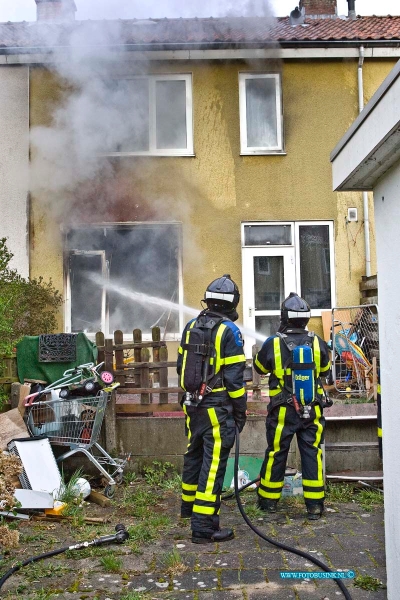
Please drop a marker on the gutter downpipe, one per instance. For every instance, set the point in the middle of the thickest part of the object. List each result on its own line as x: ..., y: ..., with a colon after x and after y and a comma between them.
x: 364, y: 194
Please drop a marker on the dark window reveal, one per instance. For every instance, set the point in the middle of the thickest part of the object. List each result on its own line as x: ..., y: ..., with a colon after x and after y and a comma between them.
x: 142, y: 259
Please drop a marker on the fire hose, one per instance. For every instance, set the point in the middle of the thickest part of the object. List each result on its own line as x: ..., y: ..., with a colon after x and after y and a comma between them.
x: 262, y: 535
x: 118, y: 538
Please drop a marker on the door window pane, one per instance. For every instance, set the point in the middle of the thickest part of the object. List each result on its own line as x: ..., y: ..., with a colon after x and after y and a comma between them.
x: 267, y: 325
x: 171, y: 114
x: 261, y: 113
x: 268, y: 282
x: 265, y: 235
x: 86, y: 298
x: 315, y: 268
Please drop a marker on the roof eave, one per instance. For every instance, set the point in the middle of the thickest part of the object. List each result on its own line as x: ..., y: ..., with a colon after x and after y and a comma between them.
x: 173, y: 46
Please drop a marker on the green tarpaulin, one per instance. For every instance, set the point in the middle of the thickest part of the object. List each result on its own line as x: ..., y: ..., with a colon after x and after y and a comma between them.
x: 29, y: 367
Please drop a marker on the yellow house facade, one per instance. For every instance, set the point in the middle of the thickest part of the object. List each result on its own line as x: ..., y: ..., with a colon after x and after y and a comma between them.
x: 224, y: 169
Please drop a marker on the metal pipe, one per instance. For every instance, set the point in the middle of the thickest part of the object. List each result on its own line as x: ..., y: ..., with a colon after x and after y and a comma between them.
x: 364, y: 194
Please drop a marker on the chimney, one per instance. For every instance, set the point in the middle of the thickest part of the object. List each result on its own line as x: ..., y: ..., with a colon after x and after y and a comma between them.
x: 352, y: 10
x: 319, y: 9
x: 53, y: 11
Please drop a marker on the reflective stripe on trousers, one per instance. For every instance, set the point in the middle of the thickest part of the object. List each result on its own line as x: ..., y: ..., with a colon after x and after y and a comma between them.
x: 282, y: 423
x: 211, y: 436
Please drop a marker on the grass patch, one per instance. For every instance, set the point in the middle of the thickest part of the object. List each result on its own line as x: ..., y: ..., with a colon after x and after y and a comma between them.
x: 43, y: 595
x: 151, y: 529
x: 140, y: 502
x: 366, y: 582
x: 41, y: 570
x: 111, y: 563
x: 135, y: 596
x: 348, y: 492
x: 68, y: 491
x: 172, y: 563
x: 130, y: 477
x: 369, y: 498
x: 160, y: 474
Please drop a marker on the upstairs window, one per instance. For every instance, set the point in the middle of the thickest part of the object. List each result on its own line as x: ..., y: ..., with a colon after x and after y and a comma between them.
x: 158, y: 119
x: 260, y: 103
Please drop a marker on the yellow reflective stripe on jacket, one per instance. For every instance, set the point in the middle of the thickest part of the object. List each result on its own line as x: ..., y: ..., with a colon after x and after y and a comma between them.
x: 274, y: 392
x: 260, y: 366
x: 229, y: 360
x: 217, y: 343
x: 317, y: 356
x: 232, y: 360
x: 278, y: 370
x: 237, y: 393
x: 380, y: 432
x: 378, y: 388
x: 185, y: 355
x: 180, y: 350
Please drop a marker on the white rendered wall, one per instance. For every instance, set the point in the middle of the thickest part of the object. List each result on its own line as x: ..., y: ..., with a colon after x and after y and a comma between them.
x: 14, y: 163
x: 387, y: 219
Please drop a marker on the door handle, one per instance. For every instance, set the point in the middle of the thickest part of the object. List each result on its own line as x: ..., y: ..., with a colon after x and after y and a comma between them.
x: 250, y: 312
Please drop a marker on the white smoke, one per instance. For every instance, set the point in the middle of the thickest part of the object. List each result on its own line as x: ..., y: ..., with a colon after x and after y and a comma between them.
x: 130, y: 9
x: 74, y: 177
x: 71, y: 152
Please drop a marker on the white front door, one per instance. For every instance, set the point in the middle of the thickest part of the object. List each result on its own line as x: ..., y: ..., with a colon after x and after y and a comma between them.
x: 269, y: 275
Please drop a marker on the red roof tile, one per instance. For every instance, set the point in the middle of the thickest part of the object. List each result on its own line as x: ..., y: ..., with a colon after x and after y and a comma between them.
x: 170, y: 33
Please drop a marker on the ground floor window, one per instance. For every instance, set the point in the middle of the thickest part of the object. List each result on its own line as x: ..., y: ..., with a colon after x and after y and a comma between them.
x: 284, y: 257
x: 110, y: 272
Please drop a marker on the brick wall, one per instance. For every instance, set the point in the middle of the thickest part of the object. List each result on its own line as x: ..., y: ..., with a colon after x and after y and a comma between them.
x: 318, y: 7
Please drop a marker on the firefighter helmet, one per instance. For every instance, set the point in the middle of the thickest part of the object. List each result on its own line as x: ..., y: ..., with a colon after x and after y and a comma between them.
x: 222, y: 294
x: 295, y: 311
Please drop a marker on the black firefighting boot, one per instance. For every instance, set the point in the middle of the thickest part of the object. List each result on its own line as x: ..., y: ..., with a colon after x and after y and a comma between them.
x: 314, y: 511
x: 221, y: 535
x: 267, y: 505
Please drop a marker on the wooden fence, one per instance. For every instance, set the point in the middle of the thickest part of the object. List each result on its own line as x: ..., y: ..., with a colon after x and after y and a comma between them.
x: 141, y: 368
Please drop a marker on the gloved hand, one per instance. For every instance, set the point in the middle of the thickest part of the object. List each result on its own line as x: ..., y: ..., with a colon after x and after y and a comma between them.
x: 240, y: 419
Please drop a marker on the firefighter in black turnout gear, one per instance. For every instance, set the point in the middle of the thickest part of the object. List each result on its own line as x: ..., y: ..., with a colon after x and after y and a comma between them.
x: 288, y: 411
x: 210, y: 366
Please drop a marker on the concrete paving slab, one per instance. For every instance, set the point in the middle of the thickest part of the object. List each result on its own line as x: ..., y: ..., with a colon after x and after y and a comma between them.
x: 246, y: 568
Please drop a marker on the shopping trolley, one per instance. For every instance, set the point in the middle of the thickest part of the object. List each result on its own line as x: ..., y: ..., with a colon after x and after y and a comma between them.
x: 76, y: 422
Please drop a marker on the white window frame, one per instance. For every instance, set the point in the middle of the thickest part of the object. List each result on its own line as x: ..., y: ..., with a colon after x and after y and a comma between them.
x: 67, y: 286
x: 153, y: 151
x: 244, y: 148
x: 105, y: 274
x: 295, y: 225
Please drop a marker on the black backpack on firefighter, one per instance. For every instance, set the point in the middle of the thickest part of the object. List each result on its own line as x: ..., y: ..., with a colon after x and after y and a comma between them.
x: 199, y: 357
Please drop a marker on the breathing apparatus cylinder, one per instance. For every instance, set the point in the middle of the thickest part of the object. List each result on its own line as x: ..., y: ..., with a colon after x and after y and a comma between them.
x: 303, y: 374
